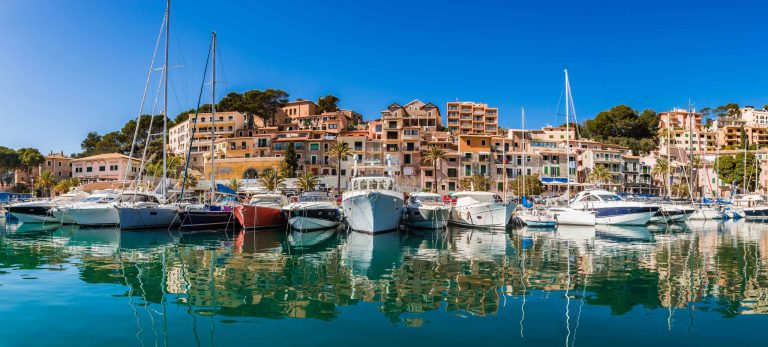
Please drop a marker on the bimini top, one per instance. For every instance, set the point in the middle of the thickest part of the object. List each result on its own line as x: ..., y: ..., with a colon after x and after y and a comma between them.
x: 477, y: 196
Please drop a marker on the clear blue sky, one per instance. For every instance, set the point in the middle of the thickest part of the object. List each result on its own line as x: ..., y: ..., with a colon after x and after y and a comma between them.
x: 70, y: 67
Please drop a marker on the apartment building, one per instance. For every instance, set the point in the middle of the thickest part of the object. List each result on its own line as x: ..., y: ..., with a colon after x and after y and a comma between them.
x: 58, y: 164
x: 400, y: 130
x: 754, y: 117
x: 105, y: 167
x: 553, y: 133
x: 466, y: 117
x: 474, y: 155
x: 730, y: 136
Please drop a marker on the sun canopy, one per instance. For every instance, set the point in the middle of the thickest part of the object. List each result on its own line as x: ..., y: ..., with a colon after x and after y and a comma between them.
x: 224, y: 189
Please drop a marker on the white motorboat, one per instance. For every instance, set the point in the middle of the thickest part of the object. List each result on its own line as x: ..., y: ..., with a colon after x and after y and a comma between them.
x: 571, y: 216
x: 672, y: 214
x: 315, y: 210
x: 752, y: 206
x: 610, y: 208
x: 41, y: 211
x: 96, y: 210
x: 139, y: 210
x: 537, y: 218
x: 426, y: 210
x: 372, y: 204
x: 706, y: 213
x: 481, y: 209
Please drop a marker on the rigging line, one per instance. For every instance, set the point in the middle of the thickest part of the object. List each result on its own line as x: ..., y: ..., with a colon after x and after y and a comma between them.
x: 221, y: 65
x: 147, y: 142
x: 178, y: 46
x: 143, y: 98
x: 192, y: 131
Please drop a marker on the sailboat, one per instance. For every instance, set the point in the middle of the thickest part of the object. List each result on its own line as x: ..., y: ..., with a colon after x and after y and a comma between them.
x: 529, y: 216
x: 569, y: 215
x: 703, y: 211
x: 217, y: 213
x: 147, y: 210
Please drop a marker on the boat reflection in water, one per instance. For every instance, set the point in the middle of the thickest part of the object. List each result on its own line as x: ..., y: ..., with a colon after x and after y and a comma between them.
x: 247, y: 285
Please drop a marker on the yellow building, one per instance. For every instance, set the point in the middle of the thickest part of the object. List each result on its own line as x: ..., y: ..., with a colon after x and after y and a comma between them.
x: 240, y: 168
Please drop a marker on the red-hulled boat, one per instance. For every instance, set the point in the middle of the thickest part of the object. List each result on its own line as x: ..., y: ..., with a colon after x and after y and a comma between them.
x: 263, y: 211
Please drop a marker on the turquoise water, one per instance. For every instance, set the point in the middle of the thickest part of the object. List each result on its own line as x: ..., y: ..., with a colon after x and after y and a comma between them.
x: 703, y: 284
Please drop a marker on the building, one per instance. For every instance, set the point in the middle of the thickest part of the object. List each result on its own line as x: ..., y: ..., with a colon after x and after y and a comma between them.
x: 105, y: 167
x: 754, y: 117
x: 58, y: 164
x: 465, y: 117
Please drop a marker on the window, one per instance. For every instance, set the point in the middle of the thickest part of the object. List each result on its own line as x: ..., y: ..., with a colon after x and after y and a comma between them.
x: 467, y: 142
x: 428, y: 173
x: 113, y: 168
x: 314, y: 146
x: 78, y: 169
x: 482, y: 143
x: 451, y: 186
x: 407, y: 159
x: 343, y: 172
x: 89, y: 169
x: 59, y: 164
x: 48, y: 163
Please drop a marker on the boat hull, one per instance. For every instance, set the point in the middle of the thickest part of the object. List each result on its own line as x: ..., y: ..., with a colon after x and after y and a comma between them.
x: 255, y: 217
x: 33, y: 214
x: 206, y: 220
x: 671, y: 215
x: 755, y: 213
x: 63, y: 216
x: 373, y: 212
x: 483, y: 215
x: 624, y: 215
x: 95, y: 216
x: 426, y: 217
x: 147, y: 217
x: 706, y: 214
x: 568, y: 216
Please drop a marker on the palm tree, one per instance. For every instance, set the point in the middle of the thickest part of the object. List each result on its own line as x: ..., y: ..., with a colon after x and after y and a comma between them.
x: 339, y: 150
x: 234, y: 184
x: 66, y: 184
x: 434, y: 154
x: 600, y: 174
x: 697, y: 164
x: 307, y: 181
x: 271, y: 180
x: 45, y: 182
x: 478, y: 182
x: 660, y: 169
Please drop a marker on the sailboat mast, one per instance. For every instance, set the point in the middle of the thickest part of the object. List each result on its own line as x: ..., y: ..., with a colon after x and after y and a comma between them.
x: 525, y: 149
x: 744, y: 180
x: 669, y: 157
x: 691, y: 186
x: 213, y: 114
x: 165, y: 98
x: 567, y: 136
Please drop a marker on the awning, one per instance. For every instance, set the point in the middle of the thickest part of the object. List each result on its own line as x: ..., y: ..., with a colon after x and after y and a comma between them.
x: 554, y: 180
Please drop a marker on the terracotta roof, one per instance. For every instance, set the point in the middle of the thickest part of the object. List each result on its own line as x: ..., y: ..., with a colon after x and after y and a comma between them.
x: 105, y: 156
x: 57, y: 156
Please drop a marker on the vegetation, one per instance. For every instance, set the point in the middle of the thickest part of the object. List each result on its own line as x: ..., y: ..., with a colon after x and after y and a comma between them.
x: 174, y: 163
x: 190, y: 181
x: 234, y: 184
x: 66, y: 184
x: 532, y: 184
x: 9, y: 159
x: 120, y: 141
x: 291, y: 161
x: 622, y: 125
x: 45, y: 182
x: 477, y: 182
x: 680, y: 190
x: 29, y: 158
x: 730, y: 169
x: 660, y: 170
x: 307, y: 181
x: 434, y: 154
x: 328, y: 103
x: 339, y: 150
x: 271, y: 180
x: 255, y: 103
x: 600, y: 175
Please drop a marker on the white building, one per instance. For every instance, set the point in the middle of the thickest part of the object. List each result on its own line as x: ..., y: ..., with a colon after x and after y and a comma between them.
x: 753, y: 116
x: 104, y: 167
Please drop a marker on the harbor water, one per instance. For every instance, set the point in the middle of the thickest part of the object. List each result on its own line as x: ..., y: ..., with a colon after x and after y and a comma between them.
x: 694, y: 284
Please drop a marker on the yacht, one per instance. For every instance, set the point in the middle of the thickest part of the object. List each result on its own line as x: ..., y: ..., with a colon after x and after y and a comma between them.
x: 96, y: 210
x: 672, y: 214
x: 481, y: 209
x: 540, y: 218
x: 145, y: 210
x: 216, y: 216
x: 571, y: 216
x: 752, y: 207
x: 372, y: 204
x: 41, y: 211
x: 426, y: 210
x: 610, y: 208
x: 315, y: 210
x: 262, y: 211
x: 706, y: 213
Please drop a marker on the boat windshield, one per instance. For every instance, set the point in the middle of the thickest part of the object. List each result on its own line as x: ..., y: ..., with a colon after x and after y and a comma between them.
x: 315, y: 198
x: 137, y: 198
x: 428, y: 198
x: 610, y: 197
x: 99, y: 199
x: 266, y: 200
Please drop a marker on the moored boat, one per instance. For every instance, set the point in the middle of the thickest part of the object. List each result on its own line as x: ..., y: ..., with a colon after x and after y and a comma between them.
x: 481, y: 209
x: 144, y: 210
x: 41, y: 211
x: 96, y: 210
x: 672, y: 214
x: 426, y: 211
x: 315, y: 210
x: 372, y: 204
x: 262, y: 211
x: 610, y: 208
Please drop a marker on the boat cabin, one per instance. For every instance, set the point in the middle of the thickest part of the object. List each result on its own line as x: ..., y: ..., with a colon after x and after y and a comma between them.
x: 372, y: 183
x: 597, y: 195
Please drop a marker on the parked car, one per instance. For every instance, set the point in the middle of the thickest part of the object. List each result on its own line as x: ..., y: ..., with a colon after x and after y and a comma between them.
x: 448, y: 198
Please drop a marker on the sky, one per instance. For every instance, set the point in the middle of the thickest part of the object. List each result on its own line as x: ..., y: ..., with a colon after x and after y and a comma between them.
x: 70, y: 67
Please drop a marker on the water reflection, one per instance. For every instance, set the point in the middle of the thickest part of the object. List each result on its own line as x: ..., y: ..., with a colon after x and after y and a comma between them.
x: 277, y: 274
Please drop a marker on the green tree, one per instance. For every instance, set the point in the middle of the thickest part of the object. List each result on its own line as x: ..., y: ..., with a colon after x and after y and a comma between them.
x: 45, y: 182
x: 9, y: 159
x: 660, y: 170
x: 600, y: 175
x: 307, y: 181
x: 680, y: 190
x: 478, y: 182
x: 730, y: 169
x: 727, y: 110
x: 291, y: 161
x: 89, y: 143
x: 622, y: 125
x: 231, y: 102
x: 66, y: 184
x: 434, y: 154
x: 30, y: 157
x: 234, y: 184
x: 533, y: 185
x: 341, y: 151
x: 328, y: 103
x: 271, y: 180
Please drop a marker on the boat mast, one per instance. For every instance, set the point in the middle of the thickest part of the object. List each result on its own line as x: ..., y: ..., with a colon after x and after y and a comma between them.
x: 669, y: 158
x: 691, y: 185
x: 165, y: 100
x: 744, y: 180
x: 525, y: 149
x: 213, y: 114
x: 567, y: 137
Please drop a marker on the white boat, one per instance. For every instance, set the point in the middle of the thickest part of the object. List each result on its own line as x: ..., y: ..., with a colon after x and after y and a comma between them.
x: 672, y: 214
x: 610, y: 208
x: 140, y: 210
x: 540, y: 218
x: 481, y: 209
x: 752, y: 206
x: 41, y: 211
x: 96, y: 210
x: 571, y: 216
x: 426, y: 210
x: 706, y: 213
x: 372, y: 204
x: 315, y: 210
